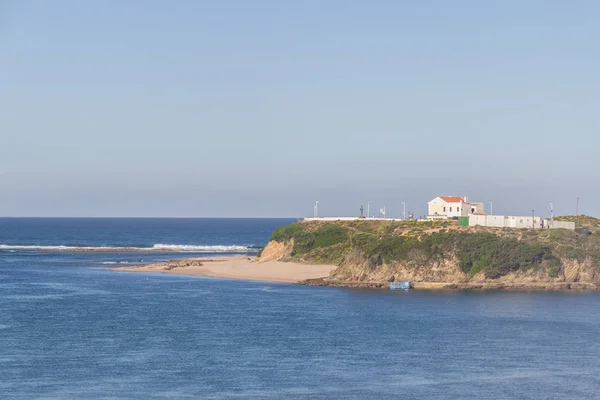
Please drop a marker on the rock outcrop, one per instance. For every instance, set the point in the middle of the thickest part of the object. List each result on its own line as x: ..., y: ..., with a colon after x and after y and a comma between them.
x: 277, y: 251
x: 186, y: 262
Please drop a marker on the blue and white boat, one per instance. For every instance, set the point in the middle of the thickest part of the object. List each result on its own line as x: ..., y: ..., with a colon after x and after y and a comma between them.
x: 403, y: 285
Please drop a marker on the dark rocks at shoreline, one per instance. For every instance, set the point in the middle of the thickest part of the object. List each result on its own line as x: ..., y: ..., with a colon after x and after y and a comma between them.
x: 464, y: 286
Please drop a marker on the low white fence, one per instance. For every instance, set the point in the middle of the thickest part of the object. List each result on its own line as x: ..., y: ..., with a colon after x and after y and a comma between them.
x: 350, y: 219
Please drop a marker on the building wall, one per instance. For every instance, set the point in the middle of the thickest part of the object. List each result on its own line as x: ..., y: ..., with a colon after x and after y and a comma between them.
x: 496, y: 221
x: 477, y: 220
x: 437, y: 206
x: 455, y: 210
x: 478, y: 206
x: 500, y: 221
x: 525, y: 222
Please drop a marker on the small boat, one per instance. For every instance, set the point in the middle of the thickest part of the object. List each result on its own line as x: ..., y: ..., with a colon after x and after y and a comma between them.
x: 403, y: 285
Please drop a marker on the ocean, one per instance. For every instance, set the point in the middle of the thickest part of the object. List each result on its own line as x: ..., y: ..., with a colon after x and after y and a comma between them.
x: 71, y: 329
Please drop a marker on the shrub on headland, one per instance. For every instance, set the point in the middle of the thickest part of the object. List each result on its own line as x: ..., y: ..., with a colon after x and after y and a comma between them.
x: 491, y: 252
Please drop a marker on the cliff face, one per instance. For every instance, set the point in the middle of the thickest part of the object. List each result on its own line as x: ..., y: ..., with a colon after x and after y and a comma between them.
x: 440, y: 255
x: 356, y: 268
x: 277, y: 251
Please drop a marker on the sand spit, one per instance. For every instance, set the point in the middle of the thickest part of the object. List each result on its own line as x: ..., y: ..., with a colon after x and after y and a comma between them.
x: 236, y: 267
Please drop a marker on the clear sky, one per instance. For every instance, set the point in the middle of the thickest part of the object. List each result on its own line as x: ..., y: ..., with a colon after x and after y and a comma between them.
x: 259, y: 108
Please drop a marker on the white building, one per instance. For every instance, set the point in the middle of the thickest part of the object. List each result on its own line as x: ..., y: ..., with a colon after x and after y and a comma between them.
x: 523, y: 222
x: 453, y: 206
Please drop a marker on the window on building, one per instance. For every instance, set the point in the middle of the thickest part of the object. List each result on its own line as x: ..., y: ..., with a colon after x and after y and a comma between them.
x: 450, y: 209
x: 472, y: 209
x: 444, y: 209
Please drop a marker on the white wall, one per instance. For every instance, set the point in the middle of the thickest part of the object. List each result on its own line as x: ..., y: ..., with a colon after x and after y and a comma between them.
x: 455, y: 210
x: 500, y: 221
x: 529, y: 222
x: 436, y: 207
x: 495, y: 221
x: 560, y: 225
x: 477, y: 220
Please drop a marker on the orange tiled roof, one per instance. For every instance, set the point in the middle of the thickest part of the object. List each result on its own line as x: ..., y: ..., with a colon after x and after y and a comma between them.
x: 452, y: 199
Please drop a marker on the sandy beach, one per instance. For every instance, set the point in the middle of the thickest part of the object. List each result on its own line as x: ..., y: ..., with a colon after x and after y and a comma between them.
x: 236, y: 267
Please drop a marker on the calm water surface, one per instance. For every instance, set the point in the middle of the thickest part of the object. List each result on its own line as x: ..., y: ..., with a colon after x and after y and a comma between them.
x: 70, y: 329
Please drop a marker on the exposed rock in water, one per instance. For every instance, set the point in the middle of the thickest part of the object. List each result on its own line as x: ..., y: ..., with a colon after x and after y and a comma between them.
x: 190, y: 262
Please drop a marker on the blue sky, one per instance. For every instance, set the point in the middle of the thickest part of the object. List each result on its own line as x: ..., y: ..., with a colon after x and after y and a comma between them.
x: 239, y: 108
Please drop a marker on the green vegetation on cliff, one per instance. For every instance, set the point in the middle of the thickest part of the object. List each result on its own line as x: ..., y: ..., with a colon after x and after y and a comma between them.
x: 493, y: 252
x: 581, y: 221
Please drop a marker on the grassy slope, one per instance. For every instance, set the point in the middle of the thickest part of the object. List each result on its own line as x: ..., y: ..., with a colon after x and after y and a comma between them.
x: 495, y: 252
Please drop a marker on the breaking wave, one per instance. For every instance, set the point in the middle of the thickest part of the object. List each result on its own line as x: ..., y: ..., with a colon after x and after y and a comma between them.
x: 181, y: 248
x: 114, y: 262
x: 203, y: 249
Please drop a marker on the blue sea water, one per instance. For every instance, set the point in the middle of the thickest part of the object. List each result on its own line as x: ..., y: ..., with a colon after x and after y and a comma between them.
x: 71, y: 329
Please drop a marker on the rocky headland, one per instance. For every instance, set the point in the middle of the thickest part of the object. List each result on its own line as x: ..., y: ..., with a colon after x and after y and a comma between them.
x: 441, y: 255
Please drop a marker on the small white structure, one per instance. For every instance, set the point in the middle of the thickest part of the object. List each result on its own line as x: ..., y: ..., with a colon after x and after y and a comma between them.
x: 452, y: 206
x: 530, y: 222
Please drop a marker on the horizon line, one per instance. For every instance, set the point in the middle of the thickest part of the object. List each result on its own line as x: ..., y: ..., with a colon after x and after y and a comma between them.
x: 144, y: 217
